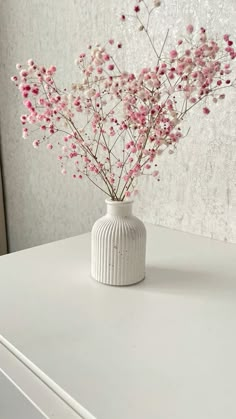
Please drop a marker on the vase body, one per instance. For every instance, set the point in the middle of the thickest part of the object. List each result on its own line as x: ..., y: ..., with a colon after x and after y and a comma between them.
x: 118, y: 246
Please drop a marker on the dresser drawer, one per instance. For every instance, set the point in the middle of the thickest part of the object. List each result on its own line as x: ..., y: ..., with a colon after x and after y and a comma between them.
x: 27, y: 393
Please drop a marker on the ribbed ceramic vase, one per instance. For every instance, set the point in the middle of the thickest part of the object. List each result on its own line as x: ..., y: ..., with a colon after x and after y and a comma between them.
x: 118, y: 246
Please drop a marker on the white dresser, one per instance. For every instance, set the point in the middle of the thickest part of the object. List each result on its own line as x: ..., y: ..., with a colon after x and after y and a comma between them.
x: 162, y: 349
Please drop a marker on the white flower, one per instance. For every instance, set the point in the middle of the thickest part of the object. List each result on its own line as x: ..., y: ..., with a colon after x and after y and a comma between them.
x: 90, y: 93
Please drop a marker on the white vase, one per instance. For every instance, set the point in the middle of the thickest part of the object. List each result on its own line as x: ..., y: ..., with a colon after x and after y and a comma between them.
x: 118, y: 246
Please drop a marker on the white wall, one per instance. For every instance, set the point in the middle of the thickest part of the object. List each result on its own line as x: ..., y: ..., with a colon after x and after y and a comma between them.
x: 197, y: 191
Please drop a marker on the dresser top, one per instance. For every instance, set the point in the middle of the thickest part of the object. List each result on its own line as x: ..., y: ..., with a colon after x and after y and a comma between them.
x: 162, y: 349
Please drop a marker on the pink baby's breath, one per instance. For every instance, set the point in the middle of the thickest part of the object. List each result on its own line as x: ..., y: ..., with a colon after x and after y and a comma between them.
x: 25, y: 133
x: 36, y: 143
x: 206, y: 111
x: 173, y: 53
x: 136, y: 8
x: 189, y: 29
x: 132, y: 118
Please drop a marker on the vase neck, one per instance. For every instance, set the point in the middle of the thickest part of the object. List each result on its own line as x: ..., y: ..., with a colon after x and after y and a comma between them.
x: 118, y: 208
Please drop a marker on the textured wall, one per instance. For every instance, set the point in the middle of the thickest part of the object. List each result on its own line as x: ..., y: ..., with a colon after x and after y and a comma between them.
x: 197, y: 192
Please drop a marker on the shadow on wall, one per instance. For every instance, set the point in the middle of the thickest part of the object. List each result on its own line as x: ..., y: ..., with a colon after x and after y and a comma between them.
x: 3, y: 242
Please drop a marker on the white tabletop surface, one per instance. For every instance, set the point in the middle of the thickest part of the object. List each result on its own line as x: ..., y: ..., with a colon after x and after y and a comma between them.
x: 162, y: 349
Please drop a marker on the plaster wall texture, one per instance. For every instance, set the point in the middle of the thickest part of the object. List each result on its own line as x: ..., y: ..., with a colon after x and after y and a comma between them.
x: 197, y: 191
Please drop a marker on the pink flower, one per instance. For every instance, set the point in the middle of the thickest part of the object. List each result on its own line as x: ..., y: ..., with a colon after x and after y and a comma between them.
x: 49, y: 146
x: 127, y: 194
x: 106, y: 57
x: 28, y: 104
x: 206, y: 111
x: 24, y: 73
x: 122, y: 17
x: 25, y: 133
x: 35, y: 91
x: 137, y: 9
x: 189, y: 29
x: 35, y: 143
x: 111, y: 67
x: 173, y: 54
x: 111, y: 41
x: 53, y: 68
x: 23, y: 118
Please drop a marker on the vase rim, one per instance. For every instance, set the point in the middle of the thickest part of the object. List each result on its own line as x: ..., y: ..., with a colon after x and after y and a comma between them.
x: 110, y: 202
